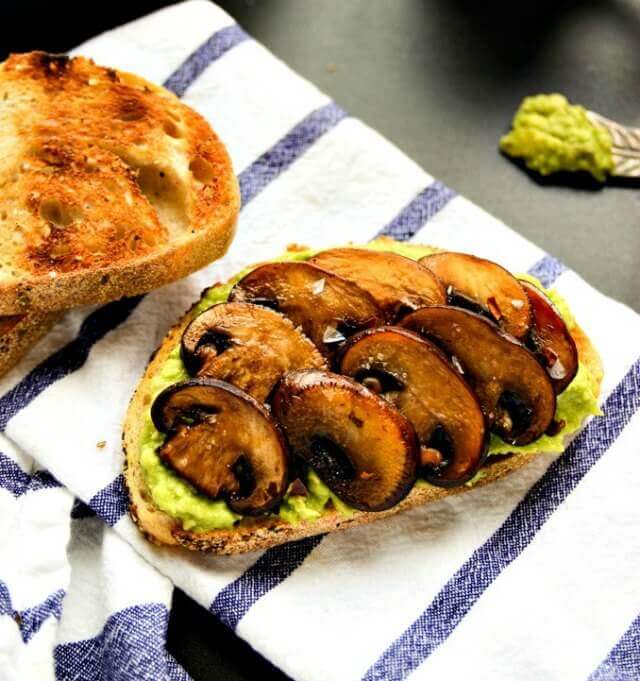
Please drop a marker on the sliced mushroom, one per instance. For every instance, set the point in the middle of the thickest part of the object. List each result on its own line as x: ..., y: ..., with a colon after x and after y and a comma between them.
x: 361, y: 447
x: 223, y: 442
x: 483, y: 286
x: 514, y: 391
x: 327, y: 307
x: 416, y: 377
x: 398, y: 284
x: 550, y: 339
x: 246, y: 345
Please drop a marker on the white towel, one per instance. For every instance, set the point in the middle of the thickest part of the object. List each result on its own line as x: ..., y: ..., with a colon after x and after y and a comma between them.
x: 534, y: 577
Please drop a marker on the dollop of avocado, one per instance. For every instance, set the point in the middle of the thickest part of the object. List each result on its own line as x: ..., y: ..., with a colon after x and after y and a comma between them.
x: 550, y: 135
x: 198, y: 513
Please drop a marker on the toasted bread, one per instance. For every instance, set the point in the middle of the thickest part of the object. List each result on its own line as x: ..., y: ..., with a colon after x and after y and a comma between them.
x: 253, y: 534
x: 18, y: 333
x: 110, y: 185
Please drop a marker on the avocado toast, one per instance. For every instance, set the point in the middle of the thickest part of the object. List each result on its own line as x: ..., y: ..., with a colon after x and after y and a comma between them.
x: 387, y: 412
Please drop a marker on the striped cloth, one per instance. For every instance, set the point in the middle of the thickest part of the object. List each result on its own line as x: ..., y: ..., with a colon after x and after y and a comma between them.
x: 533, y: 577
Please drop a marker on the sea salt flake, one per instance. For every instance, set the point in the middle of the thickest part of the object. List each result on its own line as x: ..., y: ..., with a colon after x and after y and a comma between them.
x: 317, y: 287
x: 557, y: 370
x: 332, y: 335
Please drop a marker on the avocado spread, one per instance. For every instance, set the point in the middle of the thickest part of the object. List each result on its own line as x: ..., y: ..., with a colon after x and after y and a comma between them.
x: 198, y: 513
x: 551, y: 134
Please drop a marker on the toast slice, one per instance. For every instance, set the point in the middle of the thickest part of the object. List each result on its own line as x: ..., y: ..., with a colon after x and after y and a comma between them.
x: 264, y: 532
x: 110, y: 185
x: 18, y: 333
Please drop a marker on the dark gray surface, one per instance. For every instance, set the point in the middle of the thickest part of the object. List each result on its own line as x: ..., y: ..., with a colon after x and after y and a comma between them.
x: 442, y: 78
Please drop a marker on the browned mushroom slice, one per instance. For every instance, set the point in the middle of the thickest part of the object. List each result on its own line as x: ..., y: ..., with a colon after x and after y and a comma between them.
x: 550, y: 340
x: 246, y: 345
x: 223, y: 442
x: 472, y: 281
x: 361, y: 447
x: 398, y: 284
x: 515, y: 392
x: 416, y: 377
x: 327, y: 307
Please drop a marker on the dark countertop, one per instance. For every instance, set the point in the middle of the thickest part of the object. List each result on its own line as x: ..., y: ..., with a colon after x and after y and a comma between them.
x: 441, y: 79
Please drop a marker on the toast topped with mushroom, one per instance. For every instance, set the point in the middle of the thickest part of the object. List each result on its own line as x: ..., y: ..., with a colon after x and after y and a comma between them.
x: 111, y: 186
x: 327, y: 390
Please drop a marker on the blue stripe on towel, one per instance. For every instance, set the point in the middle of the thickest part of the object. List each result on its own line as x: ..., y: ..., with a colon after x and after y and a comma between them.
x: 431, y: 200
x: 234, y: 601
x: 31, y: 619
x: 111, y: 502
x: 623, y: 662
x: 547, y: 270
x: 5, y: 600
x: 486, y: 563
x: 277, y: 159
x: 16, y: 481
x: 131, y: 646
x: 217, y: 45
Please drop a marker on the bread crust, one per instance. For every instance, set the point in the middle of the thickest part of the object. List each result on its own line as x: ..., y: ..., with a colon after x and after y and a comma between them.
x: 18, y: 333
x: 253, y: 534
x: 111, y: 185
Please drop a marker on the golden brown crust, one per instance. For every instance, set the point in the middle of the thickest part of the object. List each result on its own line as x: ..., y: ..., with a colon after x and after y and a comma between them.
x: 18, y: 333
x: 258, y: 534
x: 111, y: 186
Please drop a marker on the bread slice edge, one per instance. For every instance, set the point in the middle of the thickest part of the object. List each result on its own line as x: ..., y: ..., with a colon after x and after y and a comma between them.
x: 16, y: 342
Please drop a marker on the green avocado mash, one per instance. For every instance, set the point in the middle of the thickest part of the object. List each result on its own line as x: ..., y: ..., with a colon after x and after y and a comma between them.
x: 551, y: 135
x: 198, y: 513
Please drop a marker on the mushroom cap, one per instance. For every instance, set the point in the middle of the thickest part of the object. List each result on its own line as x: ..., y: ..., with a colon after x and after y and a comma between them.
x: 497, y: 292
x: 223, y: 442
x: 550, y: 339
x: 325, y: 306
x: 246, y: 345
x: 515, y: 392
x: 397, y: 284
x: 442, y: 408
x: 360, y: 446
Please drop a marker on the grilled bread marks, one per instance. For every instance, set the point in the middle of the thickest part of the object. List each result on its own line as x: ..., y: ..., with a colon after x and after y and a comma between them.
x: 103, y: 173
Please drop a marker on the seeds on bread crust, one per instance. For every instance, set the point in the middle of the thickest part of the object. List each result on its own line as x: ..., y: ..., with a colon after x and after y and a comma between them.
x: 18, y: 333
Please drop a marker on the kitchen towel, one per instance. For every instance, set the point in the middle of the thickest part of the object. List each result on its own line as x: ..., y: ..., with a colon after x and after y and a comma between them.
x: 533, y: 577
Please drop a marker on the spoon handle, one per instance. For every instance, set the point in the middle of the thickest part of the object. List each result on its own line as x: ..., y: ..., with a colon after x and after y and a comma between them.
x: 626, y: 145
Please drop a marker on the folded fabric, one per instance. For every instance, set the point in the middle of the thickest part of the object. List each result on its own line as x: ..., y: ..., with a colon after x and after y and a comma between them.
x: 533, y: 577
x: 57, y: 552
